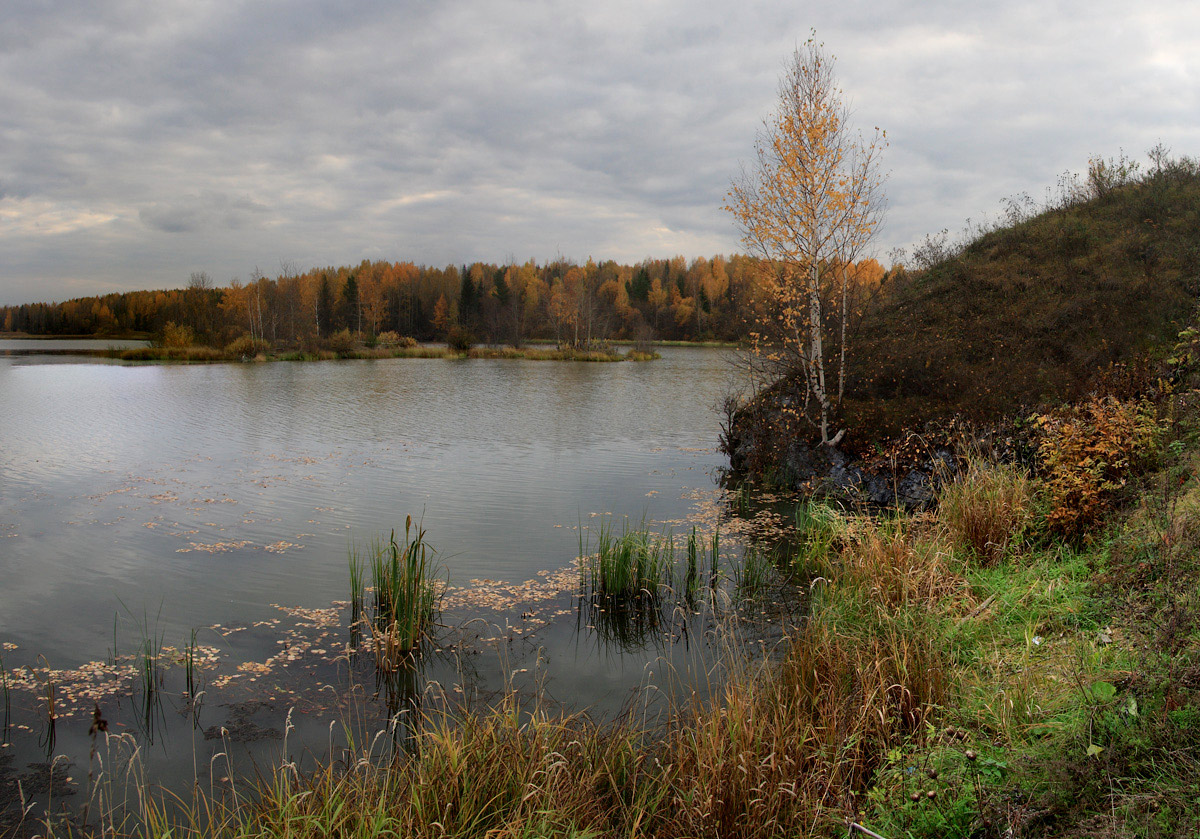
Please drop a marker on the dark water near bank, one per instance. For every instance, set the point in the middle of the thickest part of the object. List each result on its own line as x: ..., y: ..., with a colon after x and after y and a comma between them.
x: 142, y: 502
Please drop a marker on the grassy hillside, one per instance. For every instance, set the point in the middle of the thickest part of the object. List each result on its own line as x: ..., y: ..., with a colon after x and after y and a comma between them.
x: 1037, y: 311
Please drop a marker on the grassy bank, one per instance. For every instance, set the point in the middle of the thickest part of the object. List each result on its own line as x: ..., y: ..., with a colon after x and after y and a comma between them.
x: 90, y: 336
x: 209, y: 354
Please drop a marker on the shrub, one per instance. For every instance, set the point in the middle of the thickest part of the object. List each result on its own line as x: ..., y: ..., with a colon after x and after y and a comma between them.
x: 1086, y: 453
x: 174, y: 335
x: 394, y: 339
x: 459, y: 339
x: 341, y: 342
x: 986, y: 508
x: 246, y: 346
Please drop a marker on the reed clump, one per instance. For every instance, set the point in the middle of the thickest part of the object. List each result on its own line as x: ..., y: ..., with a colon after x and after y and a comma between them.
x: 986, y: 509
x: 632, y: 565
x: 405, y: 594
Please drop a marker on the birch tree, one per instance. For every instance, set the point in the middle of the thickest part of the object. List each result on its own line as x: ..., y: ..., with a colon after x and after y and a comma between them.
x: 808, y: 207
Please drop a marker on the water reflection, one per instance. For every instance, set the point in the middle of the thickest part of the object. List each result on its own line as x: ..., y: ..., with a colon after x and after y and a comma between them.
x: 231, y: 494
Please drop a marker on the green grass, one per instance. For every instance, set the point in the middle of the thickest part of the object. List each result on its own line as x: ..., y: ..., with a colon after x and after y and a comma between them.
x: 630, y: 565
x: 817, y: 534
x: 405, y: 594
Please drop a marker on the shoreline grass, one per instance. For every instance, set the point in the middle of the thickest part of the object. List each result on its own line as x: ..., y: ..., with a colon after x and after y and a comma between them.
x: 208, y: 355
x: 964, y: 673
x: 935, y: 690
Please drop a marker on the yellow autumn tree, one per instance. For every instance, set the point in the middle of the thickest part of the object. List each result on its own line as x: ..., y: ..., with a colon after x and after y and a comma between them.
x: 808, y: 207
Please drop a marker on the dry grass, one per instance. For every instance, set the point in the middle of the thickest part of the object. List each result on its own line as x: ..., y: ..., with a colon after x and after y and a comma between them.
x: 784, y: 755
x: 783, y: 748
x: 986, y: 509
x: 901, y: 567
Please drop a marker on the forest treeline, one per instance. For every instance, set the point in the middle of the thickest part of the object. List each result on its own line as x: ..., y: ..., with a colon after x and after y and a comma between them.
x: 575, y: 305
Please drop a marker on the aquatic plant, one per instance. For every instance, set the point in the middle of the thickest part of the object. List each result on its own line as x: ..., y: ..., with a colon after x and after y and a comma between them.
x: 751, y: 575
x: 405, y: 595
x: 189, y: 665
x: 357, y: 596
x: 632, y: 564
x: 49, y: 736
x: 147, y: 664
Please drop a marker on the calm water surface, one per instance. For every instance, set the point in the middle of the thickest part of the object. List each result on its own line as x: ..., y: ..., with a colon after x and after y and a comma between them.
x: 152, y: 500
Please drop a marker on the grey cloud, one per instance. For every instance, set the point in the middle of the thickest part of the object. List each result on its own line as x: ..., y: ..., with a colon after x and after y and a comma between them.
x: 202, y: 212
x: 170, y: 219
x: 221, y: 135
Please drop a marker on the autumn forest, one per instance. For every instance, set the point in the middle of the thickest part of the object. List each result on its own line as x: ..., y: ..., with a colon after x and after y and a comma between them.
x: 572, y: 304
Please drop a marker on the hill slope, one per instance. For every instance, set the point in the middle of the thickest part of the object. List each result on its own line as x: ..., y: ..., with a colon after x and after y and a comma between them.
x: 1035, y: 312
x: 1079, y: 297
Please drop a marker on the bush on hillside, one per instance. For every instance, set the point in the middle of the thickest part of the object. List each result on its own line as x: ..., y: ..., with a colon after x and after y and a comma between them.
x: 1087, y: 452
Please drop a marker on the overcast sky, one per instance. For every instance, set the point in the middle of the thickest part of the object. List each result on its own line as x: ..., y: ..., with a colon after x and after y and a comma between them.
x: 142, y: 140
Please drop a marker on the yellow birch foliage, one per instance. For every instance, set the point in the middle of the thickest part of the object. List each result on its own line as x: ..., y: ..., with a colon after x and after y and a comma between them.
x: 808, y: 207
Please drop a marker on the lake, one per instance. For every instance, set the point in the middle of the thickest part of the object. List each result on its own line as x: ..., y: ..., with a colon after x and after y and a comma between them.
x: 140, y: 503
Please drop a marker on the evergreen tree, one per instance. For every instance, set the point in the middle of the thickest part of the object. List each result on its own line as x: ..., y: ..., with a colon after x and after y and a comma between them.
x: 639, y: 286
x: 468, y: 300
x: 324, y: 306
x: 349, y: 309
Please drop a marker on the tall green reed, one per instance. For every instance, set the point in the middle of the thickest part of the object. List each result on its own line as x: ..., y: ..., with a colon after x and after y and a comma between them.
x: 405, y: 594
x: 148, y: 665
x: 358, y: 568
x: 633, y: 564
x: 691, y: 582
x: 190, y: 665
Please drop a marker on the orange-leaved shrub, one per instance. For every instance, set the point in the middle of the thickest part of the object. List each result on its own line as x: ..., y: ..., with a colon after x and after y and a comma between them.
x: 176, y: 335
x: 246, y: 345
x: 1087, y: 452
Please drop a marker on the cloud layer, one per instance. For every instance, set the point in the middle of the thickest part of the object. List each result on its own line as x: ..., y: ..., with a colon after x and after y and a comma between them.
x: 145, y: 140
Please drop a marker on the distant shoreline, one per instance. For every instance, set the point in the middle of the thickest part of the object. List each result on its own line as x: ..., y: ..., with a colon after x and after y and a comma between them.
x: 208, y: 355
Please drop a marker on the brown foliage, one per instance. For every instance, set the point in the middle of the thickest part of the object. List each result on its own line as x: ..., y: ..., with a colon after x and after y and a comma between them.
x: 1086, y: 453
